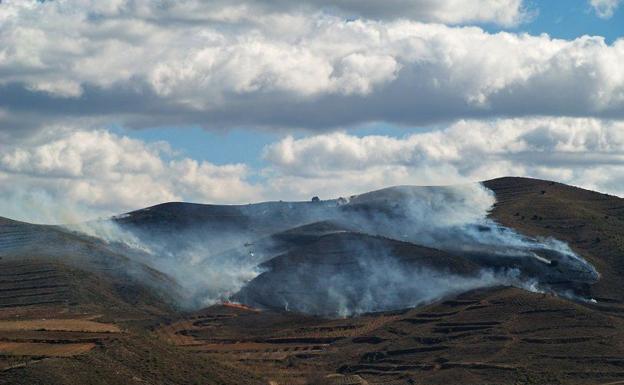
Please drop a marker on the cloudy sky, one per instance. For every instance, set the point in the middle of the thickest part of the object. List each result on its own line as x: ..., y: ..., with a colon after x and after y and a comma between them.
x: 120, y: 104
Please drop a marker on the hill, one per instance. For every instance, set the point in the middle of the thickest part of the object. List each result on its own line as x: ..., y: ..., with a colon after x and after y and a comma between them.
x: 591, y: 223
x: 74, y: 311
x: 399, y: 286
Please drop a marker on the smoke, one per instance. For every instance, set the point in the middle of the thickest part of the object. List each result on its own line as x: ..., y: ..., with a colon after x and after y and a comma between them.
x: 208, y: 274
x: 389, y: 249
x: 455, y: 219
x: 37, y: 206
x: 377, y: 286
x: 362, y: 274
x: 281, y: 255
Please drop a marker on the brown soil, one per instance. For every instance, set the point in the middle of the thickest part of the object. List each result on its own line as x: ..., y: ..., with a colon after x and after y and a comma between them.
x: 44, y: 349
x: 76, y: 325
x: 502, y: 336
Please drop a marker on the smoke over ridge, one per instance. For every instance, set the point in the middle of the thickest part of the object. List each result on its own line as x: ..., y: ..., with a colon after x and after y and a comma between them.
x: 384, y: 250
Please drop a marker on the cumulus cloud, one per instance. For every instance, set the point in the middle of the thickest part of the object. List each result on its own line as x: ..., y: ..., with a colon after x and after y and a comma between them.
x: 584, y: 152
x: 214, y: 64
x: 314, y: 64
x: 80, y: 174
x: 501, y: 12
x: 89, y: 173
x: 605, y: 8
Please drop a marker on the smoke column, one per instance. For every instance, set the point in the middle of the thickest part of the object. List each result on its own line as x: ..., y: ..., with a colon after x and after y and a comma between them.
x: 279, y: 254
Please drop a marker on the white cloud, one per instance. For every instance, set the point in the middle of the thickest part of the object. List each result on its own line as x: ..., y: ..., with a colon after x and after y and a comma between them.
x: 605, y: 8
x: 85, y: 173
x: 501, y: 12
x: 585, y: 152
x: 317, y: 64
x: 148, y: 63
x: 90, y: 173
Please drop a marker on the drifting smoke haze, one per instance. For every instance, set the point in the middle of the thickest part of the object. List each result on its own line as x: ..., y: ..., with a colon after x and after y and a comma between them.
x: 207, y: 274
x: 356, y: 277
x: 455, y: 219
x: 319, y: 271
x: 359, y: 276
x: 388, y: 249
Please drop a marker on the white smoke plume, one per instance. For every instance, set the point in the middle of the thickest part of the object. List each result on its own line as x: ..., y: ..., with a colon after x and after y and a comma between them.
x: 219, y: 264
x: 215, y: 261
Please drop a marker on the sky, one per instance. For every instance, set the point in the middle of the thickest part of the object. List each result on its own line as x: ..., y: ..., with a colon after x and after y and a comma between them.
x: 107, y: 107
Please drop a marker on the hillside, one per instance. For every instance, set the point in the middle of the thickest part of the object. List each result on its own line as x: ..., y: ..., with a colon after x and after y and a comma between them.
x: 73, y: 311
x: 357, y: 291
x: 591, y: 223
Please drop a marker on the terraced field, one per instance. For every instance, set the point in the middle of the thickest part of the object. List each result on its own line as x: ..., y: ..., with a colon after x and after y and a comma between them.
x: 44, y: 349
x: 275, y: 343
x: 63, y: 325
x: 25, y: 284
x: 36, y: 321
x: 15, y: 236
x: 85, y: 317
x: 497, y: 336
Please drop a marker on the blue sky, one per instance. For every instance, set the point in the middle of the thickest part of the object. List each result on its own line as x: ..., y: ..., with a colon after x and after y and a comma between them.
x: 278, y: 100
x: 564, y: 19
x: 568, y: 19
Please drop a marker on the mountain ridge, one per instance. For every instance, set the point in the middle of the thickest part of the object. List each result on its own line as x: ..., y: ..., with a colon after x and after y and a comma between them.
x: 495, y: 334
